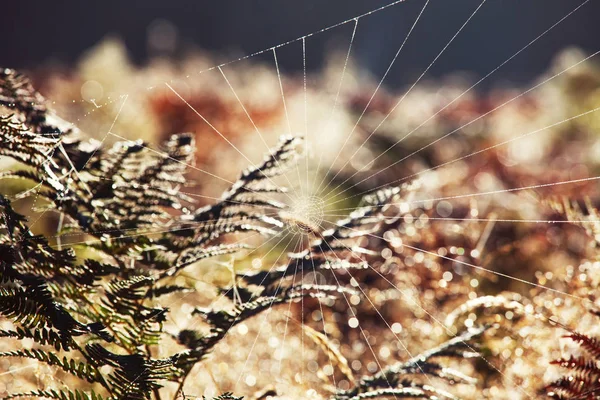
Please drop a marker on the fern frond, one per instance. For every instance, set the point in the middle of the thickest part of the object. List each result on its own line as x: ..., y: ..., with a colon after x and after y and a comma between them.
x: 584, y: 381
x: 414, y: 391
x: 80, y: 369
x: 225, y: 396
x: 336, y: 248
x: 396, y: 376
x: 42, y: 336
x: 234, y: 212
x: 194, y: 254
x: 17, y: 93
x: 224, y: 320
x: 158, y: 291
x: 30, y: 148
x: 35, y: 308
x: 135, y: 375
x: 58, y: 395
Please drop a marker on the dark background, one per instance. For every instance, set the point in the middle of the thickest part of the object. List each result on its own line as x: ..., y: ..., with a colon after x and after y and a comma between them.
x: 43, y: 32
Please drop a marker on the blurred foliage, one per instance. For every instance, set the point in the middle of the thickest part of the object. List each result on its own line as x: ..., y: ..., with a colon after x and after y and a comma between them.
x: 461, y: 226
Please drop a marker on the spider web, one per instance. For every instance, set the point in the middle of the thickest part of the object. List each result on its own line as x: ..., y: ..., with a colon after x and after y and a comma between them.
x: 331, y: 180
